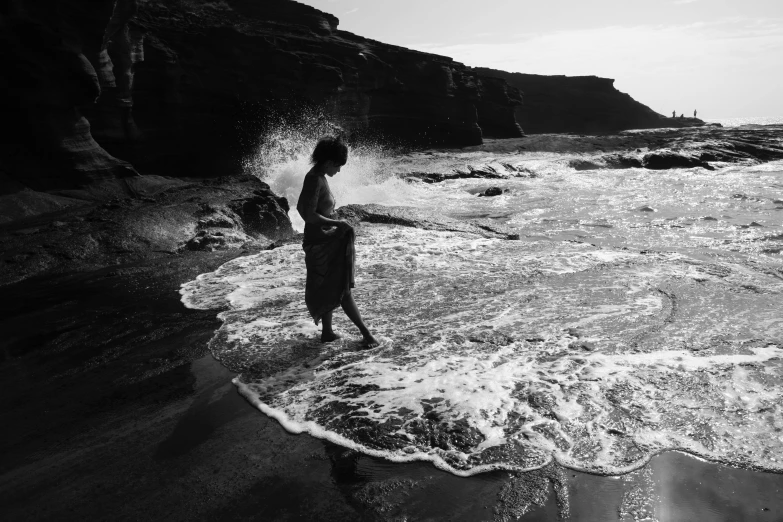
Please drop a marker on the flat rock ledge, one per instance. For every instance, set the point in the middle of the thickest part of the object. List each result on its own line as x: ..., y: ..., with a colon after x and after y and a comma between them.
x: 492, y: 170
x: 425, y: 220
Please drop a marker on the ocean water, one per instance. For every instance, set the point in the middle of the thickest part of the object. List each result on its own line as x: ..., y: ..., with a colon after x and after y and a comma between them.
x: 738, y: 122
x: 640, y: 311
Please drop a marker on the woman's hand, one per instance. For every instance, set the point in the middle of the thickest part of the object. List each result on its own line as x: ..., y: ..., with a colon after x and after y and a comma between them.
x: 344, y: 225
x: 341, y: 228
x: 338, y: 228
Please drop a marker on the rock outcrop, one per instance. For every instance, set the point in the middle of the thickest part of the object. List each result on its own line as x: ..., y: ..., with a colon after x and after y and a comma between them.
x: 168, y: 218
x: 580, y: 104
x: 235, y: 63
x: 492, y: 170
x: 185, y: 88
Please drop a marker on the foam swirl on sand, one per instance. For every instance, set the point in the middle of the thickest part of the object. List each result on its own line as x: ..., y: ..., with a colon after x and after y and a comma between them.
x: 507, y: 354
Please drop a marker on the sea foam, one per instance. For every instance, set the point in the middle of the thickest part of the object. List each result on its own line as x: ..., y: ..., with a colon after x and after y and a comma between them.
x: 508, y: 354
x: 639, y: 312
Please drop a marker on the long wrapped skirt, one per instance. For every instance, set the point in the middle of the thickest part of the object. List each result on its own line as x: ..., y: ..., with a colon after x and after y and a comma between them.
x: 330, y: 273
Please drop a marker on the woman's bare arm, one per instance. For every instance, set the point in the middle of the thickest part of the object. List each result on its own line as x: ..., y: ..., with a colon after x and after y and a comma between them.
x: 308, y: 203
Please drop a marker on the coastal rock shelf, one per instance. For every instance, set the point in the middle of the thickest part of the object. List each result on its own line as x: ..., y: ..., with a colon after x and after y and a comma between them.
x: 493, y: 170
x: 166, y: 218
x: 425, y: 220
x: 659, y: 149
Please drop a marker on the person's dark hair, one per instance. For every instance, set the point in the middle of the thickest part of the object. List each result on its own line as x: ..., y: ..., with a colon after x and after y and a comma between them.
x: 329, y: 148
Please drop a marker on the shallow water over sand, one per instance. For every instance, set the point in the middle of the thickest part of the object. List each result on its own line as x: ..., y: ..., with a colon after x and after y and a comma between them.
x: 639, y: 311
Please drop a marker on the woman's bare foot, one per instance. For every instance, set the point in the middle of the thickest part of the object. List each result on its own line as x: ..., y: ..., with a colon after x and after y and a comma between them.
x: 328, y: 337
x: 369, y: 341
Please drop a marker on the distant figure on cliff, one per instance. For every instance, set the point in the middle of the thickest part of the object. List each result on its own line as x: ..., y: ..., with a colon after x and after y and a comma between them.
x: 328, y: 244
x: 694, y: 113
x: 674, y: 114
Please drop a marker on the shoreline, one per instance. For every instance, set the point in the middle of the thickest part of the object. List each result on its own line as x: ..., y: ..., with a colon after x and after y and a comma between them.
x: 314, y: 430
x: 117, y: 410
x: 184, y: 444
x: 210, y: 454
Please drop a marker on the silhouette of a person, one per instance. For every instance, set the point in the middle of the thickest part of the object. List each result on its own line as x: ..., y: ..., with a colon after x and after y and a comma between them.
x: 674, y: 114
x: 694, y: 113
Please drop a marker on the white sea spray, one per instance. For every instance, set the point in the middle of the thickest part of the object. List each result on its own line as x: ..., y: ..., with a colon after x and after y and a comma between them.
x: 282, y: 159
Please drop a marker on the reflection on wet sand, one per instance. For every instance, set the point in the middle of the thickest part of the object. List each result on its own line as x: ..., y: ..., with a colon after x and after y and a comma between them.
x: 673, y: 487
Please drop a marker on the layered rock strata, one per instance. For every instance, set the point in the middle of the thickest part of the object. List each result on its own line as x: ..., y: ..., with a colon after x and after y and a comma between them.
x: 656, y: 149
x: 425, y: 220
x: 580, y: 104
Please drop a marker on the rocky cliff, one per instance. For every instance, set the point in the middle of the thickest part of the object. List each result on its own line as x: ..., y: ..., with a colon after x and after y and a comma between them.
x: 55, y: 60
x: 101, y: 91
x: 580, y: 104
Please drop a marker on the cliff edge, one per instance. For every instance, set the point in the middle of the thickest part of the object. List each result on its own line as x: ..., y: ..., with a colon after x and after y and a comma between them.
x: 120, y: 87
x: 580, y: 105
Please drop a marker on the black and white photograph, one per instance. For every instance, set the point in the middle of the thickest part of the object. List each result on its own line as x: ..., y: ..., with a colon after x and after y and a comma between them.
x: 391, y: 260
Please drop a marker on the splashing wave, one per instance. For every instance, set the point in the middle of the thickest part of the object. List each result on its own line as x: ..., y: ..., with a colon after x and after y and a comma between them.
x: 283, y: 158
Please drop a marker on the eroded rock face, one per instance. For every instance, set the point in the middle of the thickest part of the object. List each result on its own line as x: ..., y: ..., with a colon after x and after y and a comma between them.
x: 184, y: 88
x: 673, y: 159
x: 492, y: 170
x: 580, y: 104
x: 491, y: 192
x: 211, y: 62
x: 494, y: 118
x: 54, y: 68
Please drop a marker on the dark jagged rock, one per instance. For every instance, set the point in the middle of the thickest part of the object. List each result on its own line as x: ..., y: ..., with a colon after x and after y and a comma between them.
x: 703, y: 147
x: 673, y: 159
x: 607, y: 161
x: 580, y: 104
x: 491, y: 192
x: 492, y: 170
x: 167, y: 219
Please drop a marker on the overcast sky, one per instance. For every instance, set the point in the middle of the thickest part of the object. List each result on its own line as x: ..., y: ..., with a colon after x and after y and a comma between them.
x: 722, y: 57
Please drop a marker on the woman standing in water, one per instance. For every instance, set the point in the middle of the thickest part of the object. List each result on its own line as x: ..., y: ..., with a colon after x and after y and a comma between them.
x: 328, y: 244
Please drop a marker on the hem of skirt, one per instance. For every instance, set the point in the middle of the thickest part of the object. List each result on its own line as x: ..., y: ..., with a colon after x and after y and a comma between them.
x: 317, y: 319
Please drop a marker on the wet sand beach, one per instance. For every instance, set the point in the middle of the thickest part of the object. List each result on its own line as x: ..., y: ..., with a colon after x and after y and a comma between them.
x: 114, y: 410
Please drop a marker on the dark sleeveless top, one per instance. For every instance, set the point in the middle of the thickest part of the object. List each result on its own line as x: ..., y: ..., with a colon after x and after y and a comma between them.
x: 317, y: 197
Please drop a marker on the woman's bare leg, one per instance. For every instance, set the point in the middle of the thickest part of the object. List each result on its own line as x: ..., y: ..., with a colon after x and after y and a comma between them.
x: 327, y: 334
x: 352, y: 311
